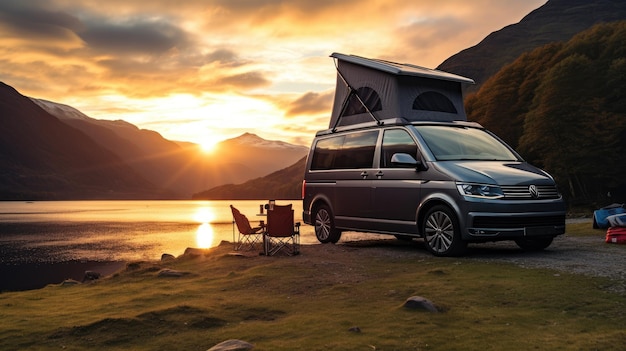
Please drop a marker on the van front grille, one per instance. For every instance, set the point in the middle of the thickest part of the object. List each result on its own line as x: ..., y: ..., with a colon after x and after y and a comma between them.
x: 522, y: 192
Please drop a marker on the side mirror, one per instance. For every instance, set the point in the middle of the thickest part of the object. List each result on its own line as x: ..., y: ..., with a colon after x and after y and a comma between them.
x: 407, y: 161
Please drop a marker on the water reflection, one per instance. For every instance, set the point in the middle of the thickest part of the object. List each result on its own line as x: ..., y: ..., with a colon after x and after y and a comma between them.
x: 204, y: 233
x: 205, y: 236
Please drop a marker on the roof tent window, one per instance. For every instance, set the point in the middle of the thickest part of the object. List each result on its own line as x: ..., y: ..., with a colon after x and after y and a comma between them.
x: 368, y: 95
x: 433, y: 101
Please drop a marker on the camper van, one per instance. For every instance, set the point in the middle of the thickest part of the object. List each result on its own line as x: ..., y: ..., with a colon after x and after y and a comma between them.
x: 400, y: 158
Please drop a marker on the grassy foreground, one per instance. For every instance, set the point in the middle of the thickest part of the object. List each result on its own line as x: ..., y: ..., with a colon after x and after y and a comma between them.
x: 311, y: 301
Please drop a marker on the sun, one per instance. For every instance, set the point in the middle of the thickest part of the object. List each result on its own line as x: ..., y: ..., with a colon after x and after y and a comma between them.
x: 208, y: 146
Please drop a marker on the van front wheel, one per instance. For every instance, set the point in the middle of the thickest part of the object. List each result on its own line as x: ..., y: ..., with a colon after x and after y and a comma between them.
x: 441, y: 232
x: 325, y: 230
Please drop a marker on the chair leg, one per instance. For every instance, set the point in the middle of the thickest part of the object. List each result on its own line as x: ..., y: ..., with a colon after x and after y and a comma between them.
x: 289, y: 245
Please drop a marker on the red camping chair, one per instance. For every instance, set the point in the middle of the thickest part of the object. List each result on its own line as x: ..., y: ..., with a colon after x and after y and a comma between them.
x: 282, y: 233
x: 248, y: 237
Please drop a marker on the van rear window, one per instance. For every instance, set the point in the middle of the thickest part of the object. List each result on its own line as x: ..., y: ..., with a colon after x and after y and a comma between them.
x: 349, y: 151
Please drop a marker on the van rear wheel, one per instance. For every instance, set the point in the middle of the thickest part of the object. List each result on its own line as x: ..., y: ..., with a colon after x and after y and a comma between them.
x: 441, y: 232
x: 325, y: 230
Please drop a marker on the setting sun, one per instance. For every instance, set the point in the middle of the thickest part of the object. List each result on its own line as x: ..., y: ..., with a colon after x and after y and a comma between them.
x: 208, y: 145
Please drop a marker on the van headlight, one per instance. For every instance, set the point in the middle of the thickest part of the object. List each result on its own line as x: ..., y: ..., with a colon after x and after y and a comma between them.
x: 480, y: 190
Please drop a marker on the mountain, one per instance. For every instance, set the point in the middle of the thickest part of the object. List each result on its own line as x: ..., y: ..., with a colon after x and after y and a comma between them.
x: 181, y: 167
x: 44, y: 158
x: 284, y: 184
x: 268, y: 154
x: 557, y: 20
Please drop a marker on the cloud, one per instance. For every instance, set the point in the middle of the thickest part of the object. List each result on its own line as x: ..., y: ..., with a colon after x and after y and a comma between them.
x: 247, y: 80
x: 311, y: 103
x: 137, y: 35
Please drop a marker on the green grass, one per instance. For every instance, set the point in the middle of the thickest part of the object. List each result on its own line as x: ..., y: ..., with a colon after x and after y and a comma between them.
x: 310, y: 302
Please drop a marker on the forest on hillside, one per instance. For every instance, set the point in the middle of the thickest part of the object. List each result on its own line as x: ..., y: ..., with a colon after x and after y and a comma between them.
x: 563, y: 108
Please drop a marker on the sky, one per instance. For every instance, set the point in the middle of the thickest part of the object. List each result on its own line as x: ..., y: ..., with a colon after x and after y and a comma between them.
x: 208, y: 70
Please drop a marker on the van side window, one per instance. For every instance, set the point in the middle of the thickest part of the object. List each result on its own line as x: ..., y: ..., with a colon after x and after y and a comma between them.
x: 396, y: 141
x: 350, y: 151
x: 326, y: 151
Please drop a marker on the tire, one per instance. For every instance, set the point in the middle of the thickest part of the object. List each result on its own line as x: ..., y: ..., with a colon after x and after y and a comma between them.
x: 534, y: 244
x: 325, y: 230
x: 441, y: 232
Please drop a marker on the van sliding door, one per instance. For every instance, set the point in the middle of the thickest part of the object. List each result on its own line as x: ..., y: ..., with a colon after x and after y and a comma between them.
x: 397, y: 187
x: 353, y: 167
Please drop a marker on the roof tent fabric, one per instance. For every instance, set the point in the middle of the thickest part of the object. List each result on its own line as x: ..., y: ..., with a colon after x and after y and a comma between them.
x: 392, y: 90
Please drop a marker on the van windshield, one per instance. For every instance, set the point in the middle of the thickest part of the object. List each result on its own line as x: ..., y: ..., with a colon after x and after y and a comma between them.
x: 464, y: 143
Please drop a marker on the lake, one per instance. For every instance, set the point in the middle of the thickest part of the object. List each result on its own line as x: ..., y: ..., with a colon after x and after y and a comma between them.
x: 60, y: 239
x: 120, y: 230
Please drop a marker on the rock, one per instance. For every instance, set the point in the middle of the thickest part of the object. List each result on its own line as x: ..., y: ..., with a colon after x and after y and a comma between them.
x: 70, y: 282
x: 170, y: 273
x: 355, y: 329
x: 232, y: 345
x: 420, y: 303
x: 191, y: 251
x: 91, y: 275
x: 167, y: 257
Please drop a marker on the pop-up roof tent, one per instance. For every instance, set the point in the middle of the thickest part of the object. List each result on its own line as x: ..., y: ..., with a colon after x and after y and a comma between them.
x: 370, y: 90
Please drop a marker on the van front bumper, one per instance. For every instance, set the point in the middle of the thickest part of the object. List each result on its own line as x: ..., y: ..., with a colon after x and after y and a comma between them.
x: 514, y: 225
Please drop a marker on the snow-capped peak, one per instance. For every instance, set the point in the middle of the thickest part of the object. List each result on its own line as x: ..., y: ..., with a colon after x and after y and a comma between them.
x: 60, y: 110
x: 250, y: 139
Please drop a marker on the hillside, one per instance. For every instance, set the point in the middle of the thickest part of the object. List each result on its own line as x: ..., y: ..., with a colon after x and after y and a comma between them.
x: 284, y: 184
x: 42, y: 158
x: 557, y: 20
x: 563, y: 107
x: 180, y: 167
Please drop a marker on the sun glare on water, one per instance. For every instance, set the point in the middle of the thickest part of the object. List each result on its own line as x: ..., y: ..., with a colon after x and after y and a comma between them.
x: 204, y: 233
x: 205, y: 236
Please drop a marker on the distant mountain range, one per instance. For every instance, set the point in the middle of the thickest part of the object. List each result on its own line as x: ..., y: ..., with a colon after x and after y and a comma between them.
x: 52, y: 151
x: 557, y: 20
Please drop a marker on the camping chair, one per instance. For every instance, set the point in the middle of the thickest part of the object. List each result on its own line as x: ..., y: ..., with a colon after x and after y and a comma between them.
x: 281, y: 234
x: 248, y: 237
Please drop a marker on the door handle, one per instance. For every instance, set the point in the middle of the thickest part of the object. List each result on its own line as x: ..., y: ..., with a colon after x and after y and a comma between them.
x: 379, y: 174
x: 364, y: 174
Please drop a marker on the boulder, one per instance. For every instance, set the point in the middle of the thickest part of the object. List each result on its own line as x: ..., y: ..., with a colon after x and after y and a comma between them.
x: 194, y: 252
x: 70, y: 282
x: 91, y: 275
x: 232, y: 345
x: 420, y: 303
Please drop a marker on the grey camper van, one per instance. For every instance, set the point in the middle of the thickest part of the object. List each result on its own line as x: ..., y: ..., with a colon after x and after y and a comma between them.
x: 400, y: 158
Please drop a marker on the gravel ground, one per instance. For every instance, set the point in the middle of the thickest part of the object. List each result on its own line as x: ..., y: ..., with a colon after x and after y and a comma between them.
x: 589, y: 256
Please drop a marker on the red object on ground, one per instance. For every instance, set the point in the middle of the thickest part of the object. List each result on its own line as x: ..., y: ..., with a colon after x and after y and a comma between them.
x: 616, y: 235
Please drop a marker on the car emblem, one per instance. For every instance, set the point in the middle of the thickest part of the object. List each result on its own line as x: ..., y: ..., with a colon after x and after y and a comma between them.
x: 533, y: 191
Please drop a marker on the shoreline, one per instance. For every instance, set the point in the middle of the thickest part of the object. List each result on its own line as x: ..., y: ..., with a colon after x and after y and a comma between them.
x: 37, y: 275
